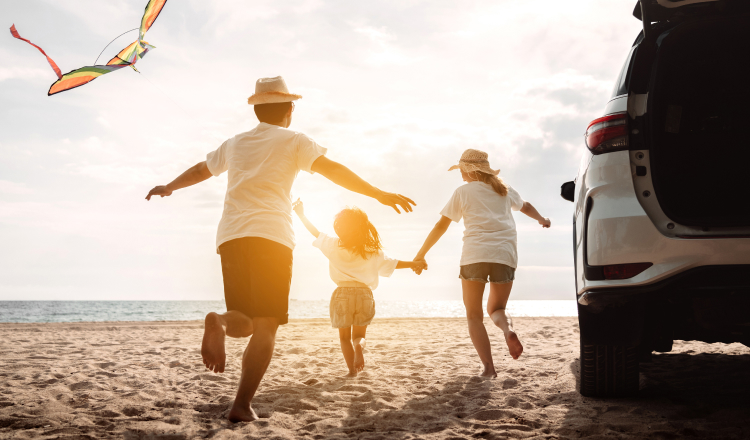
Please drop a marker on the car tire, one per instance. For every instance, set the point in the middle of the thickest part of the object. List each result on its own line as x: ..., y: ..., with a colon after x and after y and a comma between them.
x: 608, y: 370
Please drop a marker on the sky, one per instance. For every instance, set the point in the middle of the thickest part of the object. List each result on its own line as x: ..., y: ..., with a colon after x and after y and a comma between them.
x: 396, y: 90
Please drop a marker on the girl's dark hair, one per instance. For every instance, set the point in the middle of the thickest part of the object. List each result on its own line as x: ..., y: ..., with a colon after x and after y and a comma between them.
x: 497, y: 183
x: 356, y: 233
x: 271, y: 113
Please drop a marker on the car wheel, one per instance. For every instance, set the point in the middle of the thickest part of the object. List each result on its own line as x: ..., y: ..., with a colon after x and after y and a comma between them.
x: 608, y: 370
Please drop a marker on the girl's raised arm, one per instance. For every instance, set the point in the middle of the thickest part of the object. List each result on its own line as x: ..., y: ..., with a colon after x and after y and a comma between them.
x: 299, y: 208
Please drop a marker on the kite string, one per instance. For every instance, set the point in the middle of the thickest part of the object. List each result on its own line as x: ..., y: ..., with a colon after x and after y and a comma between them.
x: 105, y: 47
x: 190, y: 115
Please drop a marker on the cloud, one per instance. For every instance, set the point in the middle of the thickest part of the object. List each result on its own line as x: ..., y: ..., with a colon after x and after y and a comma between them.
x: 7, y: 187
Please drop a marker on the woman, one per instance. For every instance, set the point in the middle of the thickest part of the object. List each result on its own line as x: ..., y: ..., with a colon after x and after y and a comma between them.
x: 489, y: 250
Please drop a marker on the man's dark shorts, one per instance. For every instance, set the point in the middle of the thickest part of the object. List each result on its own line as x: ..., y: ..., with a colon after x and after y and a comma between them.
x: 257, y: 275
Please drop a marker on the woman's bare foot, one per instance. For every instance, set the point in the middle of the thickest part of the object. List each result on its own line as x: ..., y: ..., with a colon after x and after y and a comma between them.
x: 212, y: 348
x: 489, y: 372
x: 359, y: 358
x: 514, y: 344
x: 239, y: 414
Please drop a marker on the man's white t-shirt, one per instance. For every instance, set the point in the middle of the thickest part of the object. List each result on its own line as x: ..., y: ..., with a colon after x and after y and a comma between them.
x: 262, y: 165
x: 345, y: 266
x: 490, y: 234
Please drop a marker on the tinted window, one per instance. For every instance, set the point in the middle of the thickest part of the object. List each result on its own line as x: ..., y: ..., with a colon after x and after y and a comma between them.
x: 621, y: 85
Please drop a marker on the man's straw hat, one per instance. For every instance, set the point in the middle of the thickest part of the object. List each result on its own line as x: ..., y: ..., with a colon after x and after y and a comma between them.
x: 270, y: 91
x: 474, y: 160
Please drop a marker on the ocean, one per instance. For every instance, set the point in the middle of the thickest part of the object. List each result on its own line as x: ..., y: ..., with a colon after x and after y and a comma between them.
x: 101, y: 311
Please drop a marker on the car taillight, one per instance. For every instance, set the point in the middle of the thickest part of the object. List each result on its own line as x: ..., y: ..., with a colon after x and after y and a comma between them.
x: 624, y: 271
x: 607, y: 134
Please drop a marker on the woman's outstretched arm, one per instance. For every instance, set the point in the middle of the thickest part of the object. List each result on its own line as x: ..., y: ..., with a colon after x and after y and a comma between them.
x: 437, y: 231
x: 529, y: 210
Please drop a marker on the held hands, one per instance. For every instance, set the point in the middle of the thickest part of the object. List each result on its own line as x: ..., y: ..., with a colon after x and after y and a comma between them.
x: 419, y: 265
x: 160, y: 190
x: 299, y: 207
x: 545, y: 222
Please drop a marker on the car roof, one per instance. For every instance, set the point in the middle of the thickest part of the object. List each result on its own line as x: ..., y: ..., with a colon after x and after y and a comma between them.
x: 664, y: 10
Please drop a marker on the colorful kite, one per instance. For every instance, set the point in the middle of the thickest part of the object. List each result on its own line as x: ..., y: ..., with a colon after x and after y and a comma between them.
x: 127, y: 57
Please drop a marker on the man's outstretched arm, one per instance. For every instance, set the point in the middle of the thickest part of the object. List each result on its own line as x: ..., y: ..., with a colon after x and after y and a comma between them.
x: 345, y: 178
x: 195, y: 174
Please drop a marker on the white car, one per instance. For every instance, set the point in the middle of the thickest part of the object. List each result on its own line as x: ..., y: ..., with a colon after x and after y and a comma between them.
x: 661, y: 228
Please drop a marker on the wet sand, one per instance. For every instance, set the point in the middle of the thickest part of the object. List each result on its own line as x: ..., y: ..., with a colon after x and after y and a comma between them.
x: 146, y: 381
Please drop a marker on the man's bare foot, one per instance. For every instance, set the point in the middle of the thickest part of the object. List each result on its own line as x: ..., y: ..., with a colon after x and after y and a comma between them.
x: 514, y: 344
x: 359, y: 358
x: 239, y: 414
x: 489, y: 372
x: 212, y: 348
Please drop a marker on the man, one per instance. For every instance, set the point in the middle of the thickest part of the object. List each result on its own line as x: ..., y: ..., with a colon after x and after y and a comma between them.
x: 255, y: 237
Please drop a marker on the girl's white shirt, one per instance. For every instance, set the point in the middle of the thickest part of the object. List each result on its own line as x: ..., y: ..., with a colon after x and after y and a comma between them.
x: 490, y: 234
x: 345, y: 266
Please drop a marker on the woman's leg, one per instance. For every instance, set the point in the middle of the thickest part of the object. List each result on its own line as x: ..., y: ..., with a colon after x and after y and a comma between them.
x: 358, y: 339
x: 345, y: 338
x: 496, y: 303
x: 473, y: 292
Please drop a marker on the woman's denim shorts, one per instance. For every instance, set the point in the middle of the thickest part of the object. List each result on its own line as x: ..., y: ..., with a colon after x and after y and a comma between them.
x: 495, y: 272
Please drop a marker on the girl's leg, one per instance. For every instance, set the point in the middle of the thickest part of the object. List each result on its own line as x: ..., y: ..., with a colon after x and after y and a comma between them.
x: 473, y: 292
x: 499, y: 294
x: 345, y: 338
x: 358, y: 339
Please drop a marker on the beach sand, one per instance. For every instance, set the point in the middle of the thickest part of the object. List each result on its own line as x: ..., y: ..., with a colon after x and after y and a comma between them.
x: 146, y: 381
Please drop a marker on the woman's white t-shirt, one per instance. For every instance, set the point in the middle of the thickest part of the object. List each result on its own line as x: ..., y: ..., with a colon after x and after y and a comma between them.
x: 262, y: 165
x: 490, y: 234
x: 345, y: 266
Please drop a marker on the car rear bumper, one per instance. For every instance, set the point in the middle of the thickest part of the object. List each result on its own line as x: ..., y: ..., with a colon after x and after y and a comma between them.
x: 707, y: 303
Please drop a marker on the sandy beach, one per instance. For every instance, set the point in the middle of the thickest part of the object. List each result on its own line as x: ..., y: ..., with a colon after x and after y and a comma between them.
x: 146, y: 381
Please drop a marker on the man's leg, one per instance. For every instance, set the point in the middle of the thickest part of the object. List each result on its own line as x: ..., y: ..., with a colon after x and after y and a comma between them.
x: 233, y: 324
x: 255, y: 362
x: 473, y: 292
x: 345, y: 339
x: 358, y: 340
x: 496, y: 303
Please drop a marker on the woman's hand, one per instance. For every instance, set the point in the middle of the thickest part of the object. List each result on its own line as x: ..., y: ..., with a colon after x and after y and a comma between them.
x: 299, y: 207
x: 545, y: 222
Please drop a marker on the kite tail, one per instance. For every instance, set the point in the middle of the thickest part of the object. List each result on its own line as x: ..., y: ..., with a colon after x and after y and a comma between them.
x: 52, y: 64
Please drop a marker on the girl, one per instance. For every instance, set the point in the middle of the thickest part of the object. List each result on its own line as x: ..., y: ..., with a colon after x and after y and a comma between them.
x: 356, y: 260
x: 489, y: 250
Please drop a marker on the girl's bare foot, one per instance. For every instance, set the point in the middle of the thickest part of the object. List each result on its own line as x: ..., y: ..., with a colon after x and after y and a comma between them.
x: 212, y: 348
x: 514, y: 344
x: 359, y: 358
x: 239, y: 414
x: 352, y: 373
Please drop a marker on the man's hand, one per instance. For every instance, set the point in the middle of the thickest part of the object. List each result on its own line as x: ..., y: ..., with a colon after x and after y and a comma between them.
x: 299, y: 208
x: 545, y: 222
x: 160, y: 190
x: 395, y: 200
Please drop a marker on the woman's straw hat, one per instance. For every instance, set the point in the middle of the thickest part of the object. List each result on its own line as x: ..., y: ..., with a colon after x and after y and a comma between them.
x: 270, y: 91
x: 474, y: 160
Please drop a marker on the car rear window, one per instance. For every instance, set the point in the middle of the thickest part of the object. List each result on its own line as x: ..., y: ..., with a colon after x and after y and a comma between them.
x: 621, y: 85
